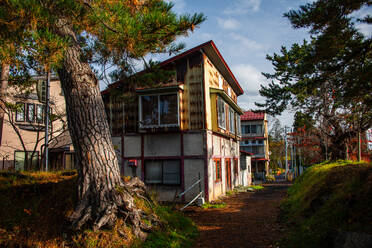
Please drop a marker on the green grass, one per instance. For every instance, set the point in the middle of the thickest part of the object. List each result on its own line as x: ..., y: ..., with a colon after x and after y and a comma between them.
x: 256, y: 187
x: 327, y: 199
x: 214, y: 205
x: 177, y: 231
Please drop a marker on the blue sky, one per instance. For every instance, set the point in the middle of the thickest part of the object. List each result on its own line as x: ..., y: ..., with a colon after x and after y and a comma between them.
x: 244, y: 31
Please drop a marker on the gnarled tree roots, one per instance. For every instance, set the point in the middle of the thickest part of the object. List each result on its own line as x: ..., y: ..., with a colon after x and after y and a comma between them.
x: 101, y: 209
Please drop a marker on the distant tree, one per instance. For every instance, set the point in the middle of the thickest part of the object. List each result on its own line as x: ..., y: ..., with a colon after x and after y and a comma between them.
x: 276, y: 144
x: 329, y: 78
x: 69, y: 36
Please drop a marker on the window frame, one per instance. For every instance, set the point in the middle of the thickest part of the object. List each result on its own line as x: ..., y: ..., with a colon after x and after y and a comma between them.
x: 142, y: 125
x: 238, y: 125
x: 218, y: 170
x: 27, y: 112
x: 17, y: 112
x: 42, y: 120
x: 221, y: 105
x: 232, y: 120
x: 162, y: 165
x: 34, y: 160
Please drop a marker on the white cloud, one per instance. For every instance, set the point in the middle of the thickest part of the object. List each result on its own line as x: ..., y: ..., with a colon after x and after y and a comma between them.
x: 205, y: 37
x: 243, y: 7
x: 365, y: 28
x: 246, y: 42
x: 229, y: 24
x: 249, y: 78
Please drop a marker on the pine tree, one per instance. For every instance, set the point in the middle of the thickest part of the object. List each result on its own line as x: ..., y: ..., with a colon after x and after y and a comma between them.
x: 328, y: 77
x: 68, y: 36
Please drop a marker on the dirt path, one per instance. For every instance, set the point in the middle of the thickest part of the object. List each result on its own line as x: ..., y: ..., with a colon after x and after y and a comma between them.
x: 248, y: 220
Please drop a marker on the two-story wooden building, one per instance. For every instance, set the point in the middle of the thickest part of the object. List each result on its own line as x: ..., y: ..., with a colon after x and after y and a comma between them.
x: 171, y: 133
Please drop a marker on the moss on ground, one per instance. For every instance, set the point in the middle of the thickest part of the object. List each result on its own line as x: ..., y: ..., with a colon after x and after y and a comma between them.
x: 34, y: 207
x: 327, y: 199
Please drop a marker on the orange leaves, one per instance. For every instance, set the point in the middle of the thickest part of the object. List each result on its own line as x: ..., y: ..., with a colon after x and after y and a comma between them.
x: 27, y: 211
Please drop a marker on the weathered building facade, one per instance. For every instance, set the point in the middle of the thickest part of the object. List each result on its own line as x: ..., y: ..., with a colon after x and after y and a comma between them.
x: 22, y: 128
x: 255, y: 140
x: 170, y: 133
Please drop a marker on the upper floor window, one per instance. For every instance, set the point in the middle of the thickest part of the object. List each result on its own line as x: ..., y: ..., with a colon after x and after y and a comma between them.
x: 221, y: 113
x: 34, y: 112
x: 238, y: 126
x: 20, y: 113
x: 159, y: 110
x: 252, y: 129
x: 232, y: 120
x: 30, y: 112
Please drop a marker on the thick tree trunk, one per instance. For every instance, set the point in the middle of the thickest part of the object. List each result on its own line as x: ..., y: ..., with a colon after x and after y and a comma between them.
x: 3, y: 90
x: 102, y: 193
x: 338, y: 148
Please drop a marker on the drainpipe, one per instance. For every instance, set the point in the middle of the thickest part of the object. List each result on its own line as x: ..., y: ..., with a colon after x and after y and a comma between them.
x: 47, y: 121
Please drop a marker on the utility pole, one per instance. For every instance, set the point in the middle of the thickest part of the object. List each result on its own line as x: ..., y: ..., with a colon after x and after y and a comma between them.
x: 46, y: 150
x: 359, y: 147
x: 286, y: 152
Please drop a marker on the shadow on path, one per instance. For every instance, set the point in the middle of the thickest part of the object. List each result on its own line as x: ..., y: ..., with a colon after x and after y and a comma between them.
x: 248, y: 220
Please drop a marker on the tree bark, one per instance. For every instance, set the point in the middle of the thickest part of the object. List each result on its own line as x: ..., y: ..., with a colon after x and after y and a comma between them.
x: 3, y: 90
x: 102, y: 193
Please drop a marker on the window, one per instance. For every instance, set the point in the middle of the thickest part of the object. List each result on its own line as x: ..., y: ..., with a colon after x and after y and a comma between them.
x: 159, y: 110
x: 221, y: 113
x: 218, y: 169
x: 41, y: 90
x: 24, y: 161
x: 168, y: 109
x: 238, y: 127
x: 232, y: 120
x: 30, y: 112
x: 163, y: 172
x: 149, y: 110
x: 260, y: 142
x: 40, y: 113
x: 253, y: 129
x: 247, y: 129
x: 236, y: 171
x: 20, y: 112
x: 259, y: 129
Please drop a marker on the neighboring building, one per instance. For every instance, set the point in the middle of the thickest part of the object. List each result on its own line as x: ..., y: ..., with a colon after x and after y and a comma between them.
x: 255, y: 140
x: 24, y: 122
x: 171, y: 133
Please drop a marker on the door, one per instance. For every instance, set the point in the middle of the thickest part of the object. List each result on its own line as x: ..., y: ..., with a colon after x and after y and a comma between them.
x: 228, y: 174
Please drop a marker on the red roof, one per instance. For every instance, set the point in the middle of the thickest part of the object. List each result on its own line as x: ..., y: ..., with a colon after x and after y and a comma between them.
x: 251, y: 116
x: 208, y: 43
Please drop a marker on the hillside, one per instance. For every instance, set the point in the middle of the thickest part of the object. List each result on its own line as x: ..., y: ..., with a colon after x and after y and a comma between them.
x: 330, y: 205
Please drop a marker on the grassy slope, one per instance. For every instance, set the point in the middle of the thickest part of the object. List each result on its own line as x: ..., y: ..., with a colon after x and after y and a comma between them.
x: 327, y: 199
x: 34, y: 206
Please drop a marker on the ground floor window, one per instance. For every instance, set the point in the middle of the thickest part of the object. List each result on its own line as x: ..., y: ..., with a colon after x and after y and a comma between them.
x: 163, y: 172
x: 26, y: 160
x: 218, y: 169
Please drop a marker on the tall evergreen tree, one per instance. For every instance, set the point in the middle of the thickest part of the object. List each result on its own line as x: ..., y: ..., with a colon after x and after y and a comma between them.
x: 68, y: 36
x: 328, y: 77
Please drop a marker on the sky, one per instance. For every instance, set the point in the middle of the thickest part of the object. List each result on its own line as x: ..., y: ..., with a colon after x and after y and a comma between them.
x: 244, y: 31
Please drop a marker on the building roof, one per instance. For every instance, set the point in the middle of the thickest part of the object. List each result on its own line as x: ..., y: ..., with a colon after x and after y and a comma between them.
x: 252, y: 116
x: 210, y: 49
